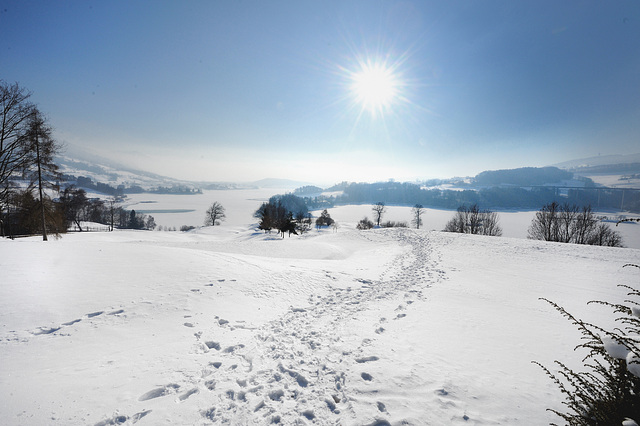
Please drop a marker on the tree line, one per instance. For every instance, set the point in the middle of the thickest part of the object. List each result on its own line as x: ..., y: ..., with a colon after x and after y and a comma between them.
x: 496, y: 197
x: 567, y: 223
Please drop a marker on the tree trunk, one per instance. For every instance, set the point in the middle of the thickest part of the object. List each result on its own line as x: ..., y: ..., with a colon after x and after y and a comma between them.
x: 44, y: 224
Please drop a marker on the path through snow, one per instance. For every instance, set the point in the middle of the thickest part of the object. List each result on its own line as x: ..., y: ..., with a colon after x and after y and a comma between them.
x: 313, y: 363
x: 298, y: 366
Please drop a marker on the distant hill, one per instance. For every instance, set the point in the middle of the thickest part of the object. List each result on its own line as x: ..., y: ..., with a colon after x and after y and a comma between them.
x: 114, y: 174
x: 602, y: 162
x: 525, y: 176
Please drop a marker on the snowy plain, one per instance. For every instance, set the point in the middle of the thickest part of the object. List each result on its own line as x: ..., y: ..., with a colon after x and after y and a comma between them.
x: 227, y: 325
x: 177, y: 210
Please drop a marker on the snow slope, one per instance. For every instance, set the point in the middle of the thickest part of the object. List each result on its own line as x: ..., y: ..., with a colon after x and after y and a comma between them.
x: 227, y: 326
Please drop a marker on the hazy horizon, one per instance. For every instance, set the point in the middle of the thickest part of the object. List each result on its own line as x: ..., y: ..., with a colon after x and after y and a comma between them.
x: 357, y: 91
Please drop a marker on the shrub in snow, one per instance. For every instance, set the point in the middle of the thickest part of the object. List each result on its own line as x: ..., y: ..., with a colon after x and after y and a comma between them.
x: 364, y: 223
x: 393, y: 224
x: 608, y: 393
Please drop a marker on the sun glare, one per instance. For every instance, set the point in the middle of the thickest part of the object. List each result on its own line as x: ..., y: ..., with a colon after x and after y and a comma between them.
x: 375, y: 87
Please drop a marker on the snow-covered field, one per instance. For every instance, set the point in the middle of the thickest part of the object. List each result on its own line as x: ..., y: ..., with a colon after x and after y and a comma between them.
x: 177, y: 210
x: 227, y: 326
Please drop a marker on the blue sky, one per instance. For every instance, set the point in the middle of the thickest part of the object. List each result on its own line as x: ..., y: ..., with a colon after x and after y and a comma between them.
x: 222, y: 90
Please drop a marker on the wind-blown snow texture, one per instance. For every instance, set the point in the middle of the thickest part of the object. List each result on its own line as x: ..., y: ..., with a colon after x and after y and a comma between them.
x: 226, y: 326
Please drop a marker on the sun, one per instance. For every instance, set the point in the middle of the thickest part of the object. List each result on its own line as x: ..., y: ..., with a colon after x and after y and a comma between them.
x: 375, y: 87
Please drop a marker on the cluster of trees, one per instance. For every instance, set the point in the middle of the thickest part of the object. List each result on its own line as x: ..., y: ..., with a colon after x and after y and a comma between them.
x: 307, y: 190
x: 473, y: 220
x: 77, y: 208
x: 324, y: 220
x: 568, y: 223
x: 276, y: 216
x: 69, y: 210
x: 27, y: 169
x: 86, y: 182
x: 289, y: 214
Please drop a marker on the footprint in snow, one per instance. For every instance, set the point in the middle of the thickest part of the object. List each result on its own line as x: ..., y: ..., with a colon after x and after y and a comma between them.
x: 367, y: 359
x: 213, y: 345
x: 187, y: 394
x: 158, y: 392
x: 233, y: 348
x: 45, y: 330
x: 117, y: 419
x: 95, y: 314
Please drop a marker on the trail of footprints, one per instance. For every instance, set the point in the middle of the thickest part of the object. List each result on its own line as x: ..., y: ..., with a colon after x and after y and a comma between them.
x: 52, y: 330
x: 296, y: 366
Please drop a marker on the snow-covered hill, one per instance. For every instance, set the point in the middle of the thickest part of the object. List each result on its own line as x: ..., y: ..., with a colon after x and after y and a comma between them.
x: 602, y: 160
x: 113, y: 174
x: 227, y: 326
x: 101, y: 170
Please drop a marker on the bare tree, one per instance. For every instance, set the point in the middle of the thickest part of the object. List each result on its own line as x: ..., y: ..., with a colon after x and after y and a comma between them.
x: 42, y: 167
x: 545, y: 224
x: 490, y: 224
x: 472, y: 220
x: 215, y: 213
x: 112, y: 210
x: 73, y: 202
x: 417, y: 211
x: 15, y: 154
x: 566, y: 222
x: 378, y: 210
